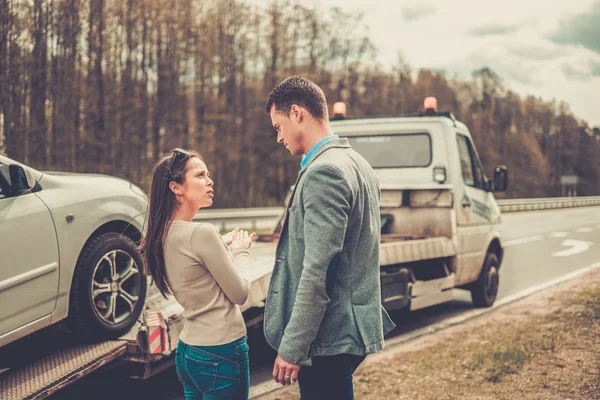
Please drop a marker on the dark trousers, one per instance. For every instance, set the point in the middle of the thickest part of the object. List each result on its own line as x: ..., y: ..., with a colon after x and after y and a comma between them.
x: 329, y: 377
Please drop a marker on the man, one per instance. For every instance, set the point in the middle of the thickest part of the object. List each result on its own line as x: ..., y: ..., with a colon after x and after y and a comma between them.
x: 323, y: 313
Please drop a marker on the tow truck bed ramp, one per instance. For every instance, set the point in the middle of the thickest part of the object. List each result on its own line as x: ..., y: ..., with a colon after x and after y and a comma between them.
x: 41, y: 378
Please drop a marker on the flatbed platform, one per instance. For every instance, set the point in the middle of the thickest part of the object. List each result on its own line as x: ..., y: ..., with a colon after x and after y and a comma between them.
x: 43, y: 377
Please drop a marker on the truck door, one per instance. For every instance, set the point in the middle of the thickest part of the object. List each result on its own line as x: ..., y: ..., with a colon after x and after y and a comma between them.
x: 473, y: 204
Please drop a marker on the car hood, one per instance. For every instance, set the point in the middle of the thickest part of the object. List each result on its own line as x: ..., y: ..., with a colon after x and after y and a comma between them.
x: 91, y: 186
x: 53, y: 179
x: 89, y: 193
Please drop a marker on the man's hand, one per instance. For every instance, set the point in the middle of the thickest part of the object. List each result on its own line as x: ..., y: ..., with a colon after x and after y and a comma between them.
x: 285, y: 372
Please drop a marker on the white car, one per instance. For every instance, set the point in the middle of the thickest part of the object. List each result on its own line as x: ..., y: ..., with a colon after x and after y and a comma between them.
x: 68, y: 252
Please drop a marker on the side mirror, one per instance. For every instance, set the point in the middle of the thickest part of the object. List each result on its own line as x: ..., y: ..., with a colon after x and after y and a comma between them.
x: 17, y: 178
x: 500, y: 179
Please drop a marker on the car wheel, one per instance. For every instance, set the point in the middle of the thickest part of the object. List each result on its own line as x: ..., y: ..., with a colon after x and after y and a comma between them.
x: 485, y: 289
x: 109, y: 287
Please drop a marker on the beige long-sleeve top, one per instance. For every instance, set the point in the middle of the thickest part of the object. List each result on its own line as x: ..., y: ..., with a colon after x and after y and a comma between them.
x: 204, y: 276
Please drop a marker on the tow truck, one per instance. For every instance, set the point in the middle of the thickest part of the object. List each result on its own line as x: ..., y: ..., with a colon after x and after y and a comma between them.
x: 439, y: 223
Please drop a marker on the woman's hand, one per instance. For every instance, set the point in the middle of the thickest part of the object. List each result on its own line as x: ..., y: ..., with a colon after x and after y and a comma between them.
x: 228, y: 237
x: 241, y: 239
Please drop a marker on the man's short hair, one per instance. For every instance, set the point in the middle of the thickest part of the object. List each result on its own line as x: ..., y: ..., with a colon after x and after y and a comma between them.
x: 300, y: 91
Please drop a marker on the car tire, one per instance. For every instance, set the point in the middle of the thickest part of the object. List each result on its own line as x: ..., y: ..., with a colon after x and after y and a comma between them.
x: 109, y: 287
x: 485, y: 289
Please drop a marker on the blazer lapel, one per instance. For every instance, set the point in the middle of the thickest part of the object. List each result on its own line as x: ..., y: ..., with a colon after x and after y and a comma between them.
x: 291, y: 201
x: 331, y: 144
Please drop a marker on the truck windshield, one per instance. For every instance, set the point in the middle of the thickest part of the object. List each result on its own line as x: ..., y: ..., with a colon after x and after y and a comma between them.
x: 395, y: 150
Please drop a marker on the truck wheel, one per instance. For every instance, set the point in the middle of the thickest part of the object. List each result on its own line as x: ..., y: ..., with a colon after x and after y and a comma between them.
x: 485, y: 289
x: 109, y: 287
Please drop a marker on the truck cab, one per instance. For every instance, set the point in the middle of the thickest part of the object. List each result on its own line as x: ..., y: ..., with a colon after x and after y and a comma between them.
x: 439, y: 215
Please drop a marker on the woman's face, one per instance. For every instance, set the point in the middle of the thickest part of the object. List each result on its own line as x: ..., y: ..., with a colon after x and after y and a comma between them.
x: 197, y: 189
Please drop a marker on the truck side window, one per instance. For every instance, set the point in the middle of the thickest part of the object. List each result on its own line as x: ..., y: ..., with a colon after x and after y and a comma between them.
x: 466, y: 162
x: 479, y: 174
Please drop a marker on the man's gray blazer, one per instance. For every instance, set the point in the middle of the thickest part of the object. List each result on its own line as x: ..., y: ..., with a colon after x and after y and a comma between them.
x: 325, y: 295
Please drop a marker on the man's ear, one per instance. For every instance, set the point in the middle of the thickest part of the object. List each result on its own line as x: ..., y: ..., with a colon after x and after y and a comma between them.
x: 296, y: 113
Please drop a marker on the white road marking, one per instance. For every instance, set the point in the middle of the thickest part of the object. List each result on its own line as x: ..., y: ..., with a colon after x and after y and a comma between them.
x: 559, y: 234
x: 522, y: 241
x: 576, y: 247
x: 545, y: 285
x: 583, y: 230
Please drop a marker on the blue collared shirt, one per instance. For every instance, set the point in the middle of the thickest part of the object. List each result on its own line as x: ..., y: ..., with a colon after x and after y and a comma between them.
x: 314, y: 149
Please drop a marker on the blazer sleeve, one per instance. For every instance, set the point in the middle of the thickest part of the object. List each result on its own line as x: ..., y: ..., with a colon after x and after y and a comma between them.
x: 208, y: 245
x: 326, y: 198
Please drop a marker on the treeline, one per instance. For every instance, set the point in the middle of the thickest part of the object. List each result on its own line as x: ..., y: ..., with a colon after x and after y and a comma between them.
x: 109, y: 85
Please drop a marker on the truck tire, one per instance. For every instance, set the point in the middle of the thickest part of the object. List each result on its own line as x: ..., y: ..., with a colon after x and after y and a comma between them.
x: 109, y: 288
x: 485, y: 289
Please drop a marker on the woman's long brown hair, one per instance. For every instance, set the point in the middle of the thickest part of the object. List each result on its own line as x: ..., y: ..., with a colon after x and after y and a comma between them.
x: 160, y: 213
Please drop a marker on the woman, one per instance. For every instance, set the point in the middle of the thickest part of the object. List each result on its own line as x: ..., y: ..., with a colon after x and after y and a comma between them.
x: 202, y: 270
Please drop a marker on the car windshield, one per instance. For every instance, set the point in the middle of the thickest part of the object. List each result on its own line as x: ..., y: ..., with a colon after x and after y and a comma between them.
x: 395, y: 150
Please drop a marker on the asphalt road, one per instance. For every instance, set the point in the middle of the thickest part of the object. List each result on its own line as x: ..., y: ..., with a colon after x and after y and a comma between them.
x: 540, y: 246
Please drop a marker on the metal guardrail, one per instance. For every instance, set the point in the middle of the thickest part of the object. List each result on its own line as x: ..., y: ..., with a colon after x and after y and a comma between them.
x: 512, y: 205
x: 253, y: 219
x: 264, y: 219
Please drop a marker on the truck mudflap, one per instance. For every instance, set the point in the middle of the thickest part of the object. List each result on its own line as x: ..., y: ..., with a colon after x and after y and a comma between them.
x: 394, y: 250
x: 428, y: 293
x: 43, y: 377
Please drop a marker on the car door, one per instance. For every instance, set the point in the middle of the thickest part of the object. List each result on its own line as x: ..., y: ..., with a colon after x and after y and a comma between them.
x: 29, y: 263
x: 473, y: 212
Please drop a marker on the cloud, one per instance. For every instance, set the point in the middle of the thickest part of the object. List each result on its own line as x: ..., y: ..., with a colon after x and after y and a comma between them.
x: 580, y: 30
x: 519, y: 73
x: 508, y: 68
x: 488, y: 30
x: 536, y: 52
x: 417, y: 12
x: 581, y: 71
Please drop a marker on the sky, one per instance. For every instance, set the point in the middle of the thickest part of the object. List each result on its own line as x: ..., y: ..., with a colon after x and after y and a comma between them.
x: 547, y: 48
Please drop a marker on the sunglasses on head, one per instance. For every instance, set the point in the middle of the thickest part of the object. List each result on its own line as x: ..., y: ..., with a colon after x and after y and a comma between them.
x: 177, y: 154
